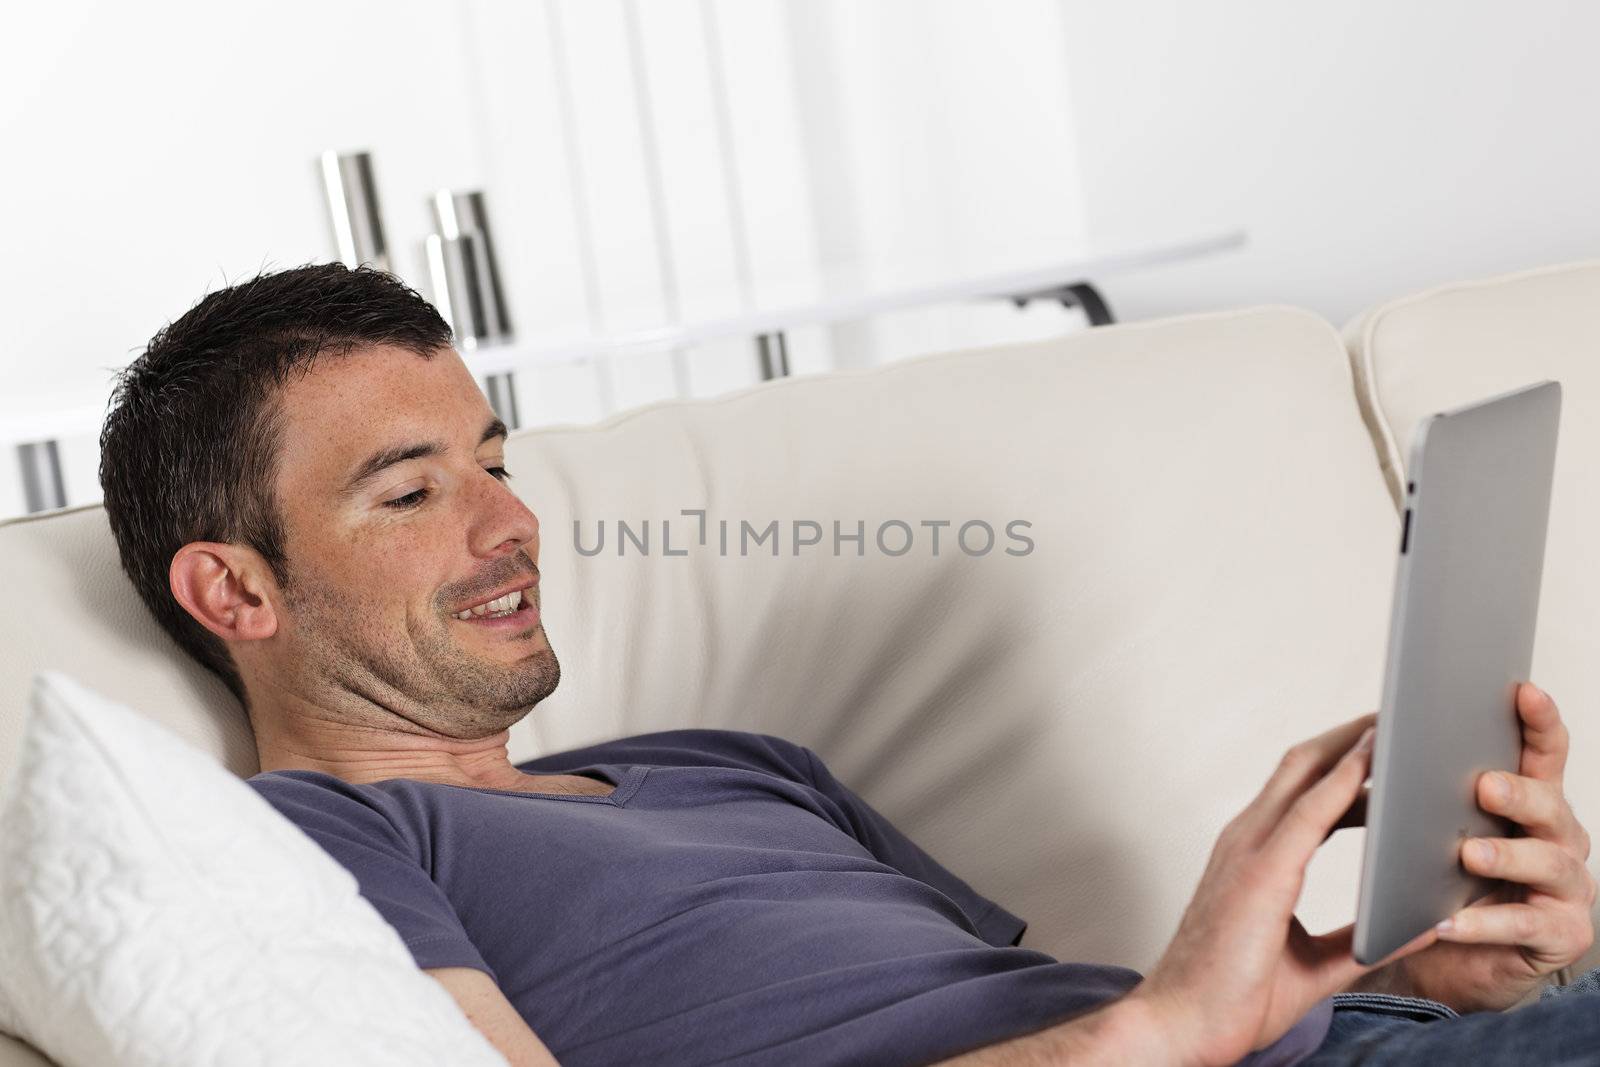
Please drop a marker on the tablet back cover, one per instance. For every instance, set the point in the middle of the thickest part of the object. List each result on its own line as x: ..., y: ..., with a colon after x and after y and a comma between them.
x: 1460, y: 640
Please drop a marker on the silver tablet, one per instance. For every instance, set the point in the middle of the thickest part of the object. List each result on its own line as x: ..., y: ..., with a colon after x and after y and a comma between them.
x: 1460, y: 640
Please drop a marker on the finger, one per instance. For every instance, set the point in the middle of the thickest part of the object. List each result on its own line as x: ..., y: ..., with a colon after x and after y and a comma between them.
x: 1331, y: 958
x: 1528, y: 861
x: 1337, y: 965
x: 1416, y: 944
x: 1536, y: 805
x: 1548, y: 933
x: 1544, y: 735
x: 1300, y: 768
x: 1355, y: 815
x: 1309, y: 819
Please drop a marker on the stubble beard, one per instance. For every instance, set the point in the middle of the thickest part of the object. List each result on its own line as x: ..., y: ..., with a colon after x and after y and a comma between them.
x: 424, y: 675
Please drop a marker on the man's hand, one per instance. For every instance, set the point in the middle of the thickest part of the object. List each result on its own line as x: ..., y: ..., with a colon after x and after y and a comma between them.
x: 1498, y: 948
x: 1241, y: 969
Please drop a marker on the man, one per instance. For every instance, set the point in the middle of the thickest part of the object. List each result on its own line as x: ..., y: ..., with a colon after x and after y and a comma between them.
x: 309, y: 491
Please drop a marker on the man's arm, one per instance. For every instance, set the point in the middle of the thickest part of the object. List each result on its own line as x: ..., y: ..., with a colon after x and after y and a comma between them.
x: 489, y: 1010
x: 1241, y: 970
x: 1120, y: 1033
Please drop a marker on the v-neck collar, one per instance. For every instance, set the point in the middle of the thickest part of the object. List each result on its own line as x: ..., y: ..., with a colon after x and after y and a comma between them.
x: 626, y: 778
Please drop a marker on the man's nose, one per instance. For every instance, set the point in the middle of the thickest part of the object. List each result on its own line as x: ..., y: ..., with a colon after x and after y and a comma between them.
x: 505, y: 523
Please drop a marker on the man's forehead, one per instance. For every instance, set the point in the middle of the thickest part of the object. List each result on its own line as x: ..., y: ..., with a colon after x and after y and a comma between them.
x: 339, y: 379
x: 348, y: 406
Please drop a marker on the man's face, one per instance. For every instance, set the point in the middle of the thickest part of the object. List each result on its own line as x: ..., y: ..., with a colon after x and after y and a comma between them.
x: 396, y: 521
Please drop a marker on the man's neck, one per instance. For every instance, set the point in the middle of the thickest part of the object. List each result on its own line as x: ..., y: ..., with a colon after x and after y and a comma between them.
x: 370, y: 755
x: 293, y: 733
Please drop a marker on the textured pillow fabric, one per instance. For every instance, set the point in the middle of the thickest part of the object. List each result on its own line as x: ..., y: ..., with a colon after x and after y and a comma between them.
x: 155, y: 910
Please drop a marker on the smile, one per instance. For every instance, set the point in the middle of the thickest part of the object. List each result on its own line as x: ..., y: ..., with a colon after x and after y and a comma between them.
x: 520, y: 618
x: 513, y: 608
x: 496, y: 608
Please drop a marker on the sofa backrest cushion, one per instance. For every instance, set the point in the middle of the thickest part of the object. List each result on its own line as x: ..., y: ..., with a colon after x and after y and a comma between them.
x: 1204, y: 580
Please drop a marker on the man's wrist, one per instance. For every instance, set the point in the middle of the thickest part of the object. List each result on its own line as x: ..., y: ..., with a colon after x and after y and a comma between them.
x: 1141, y: 1030
x: 1134, y: 1029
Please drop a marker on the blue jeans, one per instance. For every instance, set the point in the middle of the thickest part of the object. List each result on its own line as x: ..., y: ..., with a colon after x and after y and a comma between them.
x: 1377, y: 1030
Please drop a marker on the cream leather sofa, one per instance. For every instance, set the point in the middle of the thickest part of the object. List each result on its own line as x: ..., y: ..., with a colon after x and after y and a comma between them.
x: 1213, y: 526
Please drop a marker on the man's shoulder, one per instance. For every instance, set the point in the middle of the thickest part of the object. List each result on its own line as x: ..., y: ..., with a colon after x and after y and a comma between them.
x: 315, y: 800
x: 305, y: 783
x: 690, y: 747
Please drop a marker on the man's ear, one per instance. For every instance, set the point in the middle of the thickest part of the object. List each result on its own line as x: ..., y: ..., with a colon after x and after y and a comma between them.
x: 225, y: 588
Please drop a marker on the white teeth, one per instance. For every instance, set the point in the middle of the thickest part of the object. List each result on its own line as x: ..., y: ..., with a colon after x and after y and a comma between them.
x: 499, y: 606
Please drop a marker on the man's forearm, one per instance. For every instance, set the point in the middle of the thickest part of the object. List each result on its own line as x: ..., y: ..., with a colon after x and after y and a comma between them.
x: 1124, y: 1031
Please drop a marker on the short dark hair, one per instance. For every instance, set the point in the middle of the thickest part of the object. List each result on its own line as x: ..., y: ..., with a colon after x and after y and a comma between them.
x: 189, y: 447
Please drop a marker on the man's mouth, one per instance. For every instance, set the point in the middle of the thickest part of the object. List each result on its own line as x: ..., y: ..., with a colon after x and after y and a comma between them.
x: 496, y: 608
x: 512, y: 608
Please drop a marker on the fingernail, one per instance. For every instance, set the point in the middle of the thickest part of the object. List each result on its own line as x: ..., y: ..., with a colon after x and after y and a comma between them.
x: 1445, y: 926
x: 1367, y: 737
x: 1499, y: 788
x: 1479, y: 851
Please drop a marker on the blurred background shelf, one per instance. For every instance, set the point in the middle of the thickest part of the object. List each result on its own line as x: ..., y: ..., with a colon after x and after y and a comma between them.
x: 39, y: 434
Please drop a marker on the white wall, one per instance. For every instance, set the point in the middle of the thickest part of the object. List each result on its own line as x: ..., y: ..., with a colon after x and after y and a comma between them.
x: 940, y: 142
x: 647, y: 162
x: 1371, y: 147
x: 154, y: 151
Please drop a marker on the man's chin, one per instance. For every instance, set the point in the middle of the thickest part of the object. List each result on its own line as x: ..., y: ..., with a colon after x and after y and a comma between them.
x: 514, y: 688
x: 484, y: 702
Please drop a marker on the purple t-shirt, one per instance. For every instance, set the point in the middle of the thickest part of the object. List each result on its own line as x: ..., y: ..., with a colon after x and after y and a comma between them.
x: 728, y: 902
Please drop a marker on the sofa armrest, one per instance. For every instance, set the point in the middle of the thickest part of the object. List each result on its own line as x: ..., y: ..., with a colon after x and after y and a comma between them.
x: 14, y: 1052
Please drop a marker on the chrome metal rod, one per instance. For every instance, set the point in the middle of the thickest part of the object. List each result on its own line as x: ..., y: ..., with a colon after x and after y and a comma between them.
x: 773, y: 351
x: 464, y: 215
x: 458, y: 268
x: 43, y: 487
x: 353, y: 208
x: 501, y: 390
x: 467, y: 286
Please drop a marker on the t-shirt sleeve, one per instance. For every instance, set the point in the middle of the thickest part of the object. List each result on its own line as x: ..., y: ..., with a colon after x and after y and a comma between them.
x: 888, y: 845
x: 363, y: 831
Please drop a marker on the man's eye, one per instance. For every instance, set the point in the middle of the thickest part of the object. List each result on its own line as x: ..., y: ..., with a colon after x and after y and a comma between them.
x: 417, y: 496
x: 410, y: 500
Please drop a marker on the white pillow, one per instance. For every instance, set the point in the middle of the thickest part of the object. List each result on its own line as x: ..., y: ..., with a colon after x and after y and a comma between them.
x: 155, y: 910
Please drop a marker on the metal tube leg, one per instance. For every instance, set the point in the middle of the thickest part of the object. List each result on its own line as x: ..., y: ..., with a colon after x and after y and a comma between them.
x: 773, y: 351
x: 42, y: 485
x: 1081, y: 295
x: 1086, y: 296
x: 502, y: 391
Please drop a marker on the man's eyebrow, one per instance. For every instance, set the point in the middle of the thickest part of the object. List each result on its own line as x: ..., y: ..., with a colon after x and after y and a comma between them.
x: 378, y: 462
